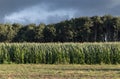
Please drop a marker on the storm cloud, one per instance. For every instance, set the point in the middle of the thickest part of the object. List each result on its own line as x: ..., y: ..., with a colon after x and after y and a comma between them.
x: 52, y: 11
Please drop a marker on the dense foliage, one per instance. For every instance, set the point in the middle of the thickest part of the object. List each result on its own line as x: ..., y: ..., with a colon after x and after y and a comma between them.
x: 60, y: 53
x: 83, y: 29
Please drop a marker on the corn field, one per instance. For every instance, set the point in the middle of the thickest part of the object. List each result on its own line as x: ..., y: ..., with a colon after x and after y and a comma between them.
x: 60, y: 53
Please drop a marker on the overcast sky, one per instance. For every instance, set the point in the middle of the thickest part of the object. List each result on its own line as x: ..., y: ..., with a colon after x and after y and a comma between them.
x: 52, y: 11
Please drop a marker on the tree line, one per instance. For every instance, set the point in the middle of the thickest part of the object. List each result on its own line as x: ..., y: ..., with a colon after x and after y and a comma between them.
x: 83, y: 29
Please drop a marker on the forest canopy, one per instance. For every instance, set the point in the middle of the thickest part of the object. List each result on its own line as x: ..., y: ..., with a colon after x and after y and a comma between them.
x: 83, y: 29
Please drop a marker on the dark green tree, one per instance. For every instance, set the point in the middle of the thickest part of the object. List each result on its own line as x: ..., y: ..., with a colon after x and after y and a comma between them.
x: 49, y: 33
x: 39, y: 33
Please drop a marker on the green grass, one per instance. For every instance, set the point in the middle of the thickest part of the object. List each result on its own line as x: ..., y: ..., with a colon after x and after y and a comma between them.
x: 38, y: 71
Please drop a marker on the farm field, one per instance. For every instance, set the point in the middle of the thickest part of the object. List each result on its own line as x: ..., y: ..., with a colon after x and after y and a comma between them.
x: 60, y: 53
x: 44, y: 71
x: 60, y: 60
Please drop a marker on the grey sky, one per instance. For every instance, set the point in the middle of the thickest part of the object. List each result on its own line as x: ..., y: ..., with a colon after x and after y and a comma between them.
x: 52, y: 11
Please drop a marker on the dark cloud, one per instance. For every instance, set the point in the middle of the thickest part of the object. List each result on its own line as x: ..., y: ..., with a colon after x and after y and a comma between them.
x: 13, y: 5
x: 9, y: 9
x: 84, y: 7
x: 9, y: 6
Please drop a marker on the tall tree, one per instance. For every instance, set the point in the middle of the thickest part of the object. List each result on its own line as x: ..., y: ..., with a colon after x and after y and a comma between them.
x: 16, y: 27
x: 86, y: 29
x: 108, y: 27
x: 49, y: 33
x: 97, y: 30
x: 116, y: 28
x: 39, y: 33
x: 3, y: 33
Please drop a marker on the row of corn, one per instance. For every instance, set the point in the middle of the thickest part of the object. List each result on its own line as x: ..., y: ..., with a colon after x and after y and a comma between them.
x: 60, y: 53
